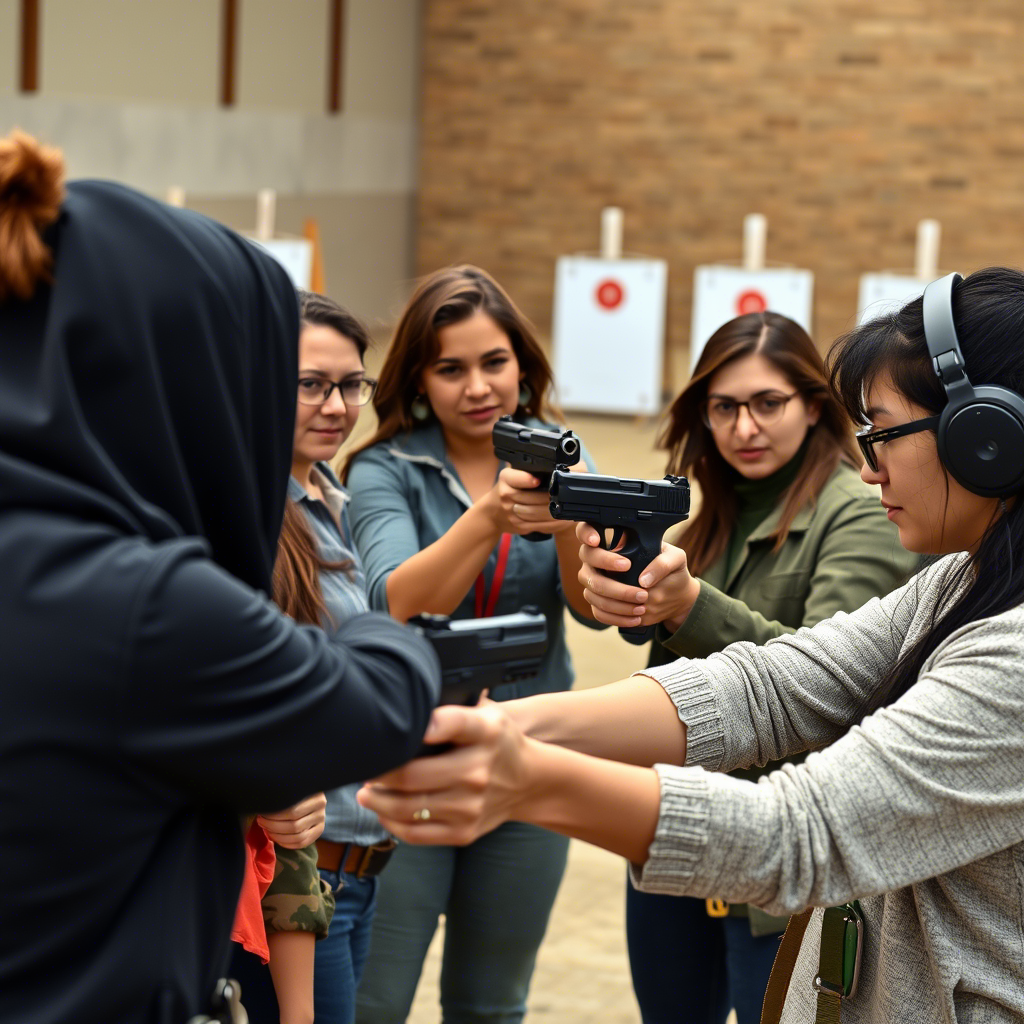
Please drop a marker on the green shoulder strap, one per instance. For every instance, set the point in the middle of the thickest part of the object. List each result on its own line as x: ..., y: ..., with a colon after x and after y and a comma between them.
x: 838, y: 963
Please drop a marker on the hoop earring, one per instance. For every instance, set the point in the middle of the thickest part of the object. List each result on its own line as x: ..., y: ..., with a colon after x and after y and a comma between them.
x: 420, y: 408
x: 525, y: 394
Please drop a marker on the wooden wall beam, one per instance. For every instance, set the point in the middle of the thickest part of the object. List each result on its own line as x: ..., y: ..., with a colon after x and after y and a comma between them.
x: 334, y: 61
x: 228, y: 51
x: 29, y: 79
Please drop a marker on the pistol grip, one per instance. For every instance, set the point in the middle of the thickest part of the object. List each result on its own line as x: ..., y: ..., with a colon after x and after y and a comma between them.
x: 641, y: 550
x: 544, y: 482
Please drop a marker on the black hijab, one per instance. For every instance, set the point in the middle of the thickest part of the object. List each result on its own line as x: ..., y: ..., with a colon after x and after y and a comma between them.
x: 152, y: 386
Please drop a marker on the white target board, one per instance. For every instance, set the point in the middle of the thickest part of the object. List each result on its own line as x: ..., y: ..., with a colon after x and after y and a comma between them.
x: 885, y: 293
x: 609, y: 333
x: 294, y: 254
x: 721, y: 293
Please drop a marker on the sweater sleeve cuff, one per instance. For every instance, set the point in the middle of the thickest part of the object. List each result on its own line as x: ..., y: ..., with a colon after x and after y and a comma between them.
x: 681, y: 836
x: 690, y: 690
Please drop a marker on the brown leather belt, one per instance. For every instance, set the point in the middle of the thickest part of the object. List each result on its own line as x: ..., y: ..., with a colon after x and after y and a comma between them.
x: 361, y: 861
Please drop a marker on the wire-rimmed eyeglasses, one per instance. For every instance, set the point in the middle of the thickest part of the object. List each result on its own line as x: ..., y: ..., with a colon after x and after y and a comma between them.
x: 868, y: 438
x: 719, y: 412
x: 354, y: 391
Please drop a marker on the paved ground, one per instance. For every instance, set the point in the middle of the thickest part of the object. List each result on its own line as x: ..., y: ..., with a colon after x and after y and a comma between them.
x: 582, y: 974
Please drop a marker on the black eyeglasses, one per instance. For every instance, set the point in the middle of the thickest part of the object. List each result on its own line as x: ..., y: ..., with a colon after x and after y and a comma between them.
x: 720, y: 412
x: 867, y: 438
x: 354, y: 391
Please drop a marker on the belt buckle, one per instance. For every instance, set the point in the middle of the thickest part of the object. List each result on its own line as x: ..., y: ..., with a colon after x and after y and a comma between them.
x: 364, y: 862
x: 371, y: 852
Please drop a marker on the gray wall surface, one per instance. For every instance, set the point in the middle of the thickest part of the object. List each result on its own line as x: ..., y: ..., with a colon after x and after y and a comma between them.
x: 128, y: 91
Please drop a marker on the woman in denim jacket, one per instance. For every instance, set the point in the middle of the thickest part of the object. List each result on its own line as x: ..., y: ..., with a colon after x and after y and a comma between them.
x: 439, y: 530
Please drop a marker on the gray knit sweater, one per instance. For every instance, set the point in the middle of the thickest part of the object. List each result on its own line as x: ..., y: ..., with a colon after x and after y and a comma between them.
x: 918, y: 811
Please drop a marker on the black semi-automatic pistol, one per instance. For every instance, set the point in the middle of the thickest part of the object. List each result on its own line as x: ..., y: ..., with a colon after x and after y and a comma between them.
x: 480, y: 654
x: 539, y: 452
x: 636, y: 511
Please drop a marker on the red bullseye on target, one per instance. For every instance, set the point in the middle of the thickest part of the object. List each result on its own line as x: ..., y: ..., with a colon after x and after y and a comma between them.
x: 751, y: 301
x: 609, y: 294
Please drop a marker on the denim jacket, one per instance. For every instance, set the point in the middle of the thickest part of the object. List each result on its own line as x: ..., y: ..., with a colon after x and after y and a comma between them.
x: 405, y: 494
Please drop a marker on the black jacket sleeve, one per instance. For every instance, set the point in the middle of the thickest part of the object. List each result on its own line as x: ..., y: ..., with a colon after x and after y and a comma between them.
x: 232, y: 702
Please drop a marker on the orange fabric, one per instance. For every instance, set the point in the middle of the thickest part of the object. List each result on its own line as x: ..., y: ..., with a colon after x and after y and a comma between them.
x: 248, y: 929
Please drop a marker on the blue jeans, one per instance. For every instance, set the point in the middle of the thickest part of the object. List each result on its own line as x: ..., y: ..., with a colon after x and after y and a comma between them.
x: 690, y: 967
x: 341, y: 955
x: 496, y: 895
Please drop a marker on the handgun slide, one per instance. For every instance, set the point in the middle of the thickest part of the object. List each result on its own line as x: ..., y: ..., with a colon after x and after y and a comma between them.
x: 636, y: 512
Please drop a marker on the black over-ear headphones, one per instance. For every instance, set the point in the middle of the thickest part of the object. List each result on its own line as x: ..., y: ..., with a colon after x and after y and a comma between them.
x: 981, y: 430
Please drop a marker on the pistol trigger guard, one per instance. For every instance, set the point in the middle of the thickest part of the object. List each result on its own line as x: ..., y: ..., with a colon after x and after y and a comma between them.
x: 618, y: 532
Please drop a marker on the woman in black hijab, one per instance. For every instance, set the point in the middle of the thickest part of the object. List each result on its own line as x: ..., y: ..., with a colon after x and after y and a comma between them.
x: 149, y: 692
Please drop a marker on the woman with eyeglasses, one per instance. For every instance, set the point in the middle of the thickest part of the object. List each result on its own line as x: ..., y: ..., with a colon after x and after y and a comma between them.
x: 318, y: 579
x: 439, y: 525
x: 786, y: 535
x: 899, y: 837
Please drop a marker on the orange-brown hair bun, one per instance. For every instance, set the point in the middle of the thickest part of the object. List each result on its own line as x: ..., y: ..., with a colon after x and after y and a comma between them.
x: 31, y: 191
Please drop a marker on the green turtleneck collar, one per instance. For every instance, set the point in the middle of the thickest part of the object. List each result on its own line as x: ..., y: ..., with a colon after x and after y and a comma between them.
x: 757, y: 499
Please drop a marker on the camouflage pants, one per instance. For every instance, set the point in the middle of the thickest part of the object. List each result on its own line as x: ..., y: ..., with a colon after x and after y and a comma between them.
x: 297, y: 900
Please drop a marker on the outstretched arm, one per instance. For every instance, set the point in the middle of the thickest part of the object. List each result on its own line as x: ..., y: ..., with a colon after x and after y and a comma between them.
x: 497, y: 774
x: 921, y: 787
x: 224, y: 696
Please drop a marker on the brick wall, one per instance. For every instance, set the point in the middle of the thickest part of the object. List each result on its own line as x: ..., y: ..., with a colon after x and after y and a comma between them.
x: 844, y: 121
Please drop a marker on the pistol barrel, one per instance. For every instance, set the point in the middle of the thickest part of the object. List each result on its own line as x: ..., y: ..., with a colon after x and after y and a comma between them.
x: 533, y: 449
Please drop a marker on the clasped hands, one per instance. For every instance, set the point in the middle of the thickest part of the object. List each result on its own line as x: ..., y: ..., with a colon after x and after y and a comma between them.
x: 456, y: 797
x: 298, y: 826
x: 667, y: 592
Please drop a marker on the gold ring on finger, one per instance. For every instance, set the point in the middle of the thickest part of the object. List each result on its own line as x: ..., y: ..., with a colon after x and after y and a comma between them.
x: 423, y: 814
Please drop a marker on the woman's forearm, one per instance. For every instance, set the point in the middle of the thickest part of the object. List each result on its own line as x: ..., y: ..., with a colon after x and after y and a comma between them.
x: 436, y: 579
x: 633, y: 721
x: 611, y: 805
x: 291, y: 970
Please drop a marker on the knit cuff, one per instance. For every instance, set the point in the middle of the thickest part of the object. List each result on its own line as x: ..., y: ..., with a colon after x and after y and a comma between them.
x: 681, y: 836
x: 697, y: 704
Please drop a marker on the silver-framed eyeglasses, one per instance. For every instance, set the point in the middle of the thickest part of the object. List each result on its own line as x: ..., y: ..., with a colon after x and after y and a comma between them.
x: 869, y: 437
x: 719, y: 412
x: 354, y: 390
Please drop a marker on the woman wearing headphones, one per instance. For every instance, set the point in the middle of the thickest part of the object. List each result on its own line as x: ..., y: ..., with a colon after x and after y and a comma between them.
x: 905, y: 824
x: 786, y: 535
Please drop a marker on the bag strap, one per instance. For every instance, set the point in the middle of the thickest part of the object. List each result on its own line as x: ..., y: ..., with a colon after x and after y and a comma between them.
x: 782, y: 969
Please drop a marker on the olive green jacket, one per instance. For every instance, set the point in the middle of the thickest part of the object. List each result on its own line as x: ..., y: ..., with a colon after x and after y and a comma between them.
x: 840, y: 552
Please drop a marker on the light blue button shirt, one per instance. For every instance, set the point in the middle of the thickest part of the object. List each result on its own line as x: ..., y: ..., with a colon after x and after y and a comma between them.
x: 345, y: 595
x: 405, y: 494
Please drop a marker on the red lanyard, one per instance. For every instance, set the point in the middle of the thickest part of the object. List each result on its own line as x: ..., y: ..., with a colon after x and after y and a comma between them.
x: 499, y: 577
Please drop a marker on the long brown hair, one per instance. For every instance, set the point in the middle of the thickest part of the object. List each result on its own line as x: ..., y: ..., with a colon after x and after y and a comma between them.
x: 31, y: 191
x: 692, y: 449
x: 299, y: 563
x: 447, y: 297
